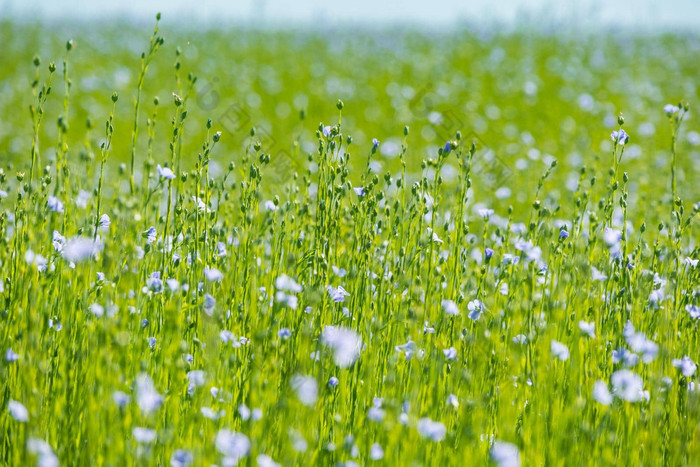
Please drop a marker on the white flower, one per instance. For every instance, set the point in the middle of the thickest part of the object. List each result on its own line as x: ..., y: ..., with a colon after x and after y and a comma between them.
x: 612, y: 239
x: 11, y: 356
x: 601, y: 393
x: 520, y: 339
x: 656, y: 296
x: 266, y: 461
x: 58, y: 241
x: 505, y: 454
x: 54, y: 204
x: 286, y: 283
x: 244, y: 412
x: 201, y: 207
x: 686, y: 365
x: 453, y: 401
x: 287, y: 300
x: 432, y: 430
x: 195, y: 378
x: 340, y: 272
x: 587, y: 328
x: 104, y: 222
x: 450, y: 307
x: 97, y: 310
x: 147, y: 397
x: 82, y: 199
x: 693, y: 311
x: 35, y: 258
x: 211, y: 414
x: 597, y: 275
x: 306, y: 389
x: 532, y: 253
x: 560, y: 350
x: 227, y: 336
x: 270, y: 206
x: 165, y: 173
x: 144, y: 435
x: 475, y: 308
x: 42, y: 449
x: 485, y: 213
x: 625, y: 356
x: 671, y: 109
x: 510, y: 259
x: 376, y: 452
x: 18, y: 411
x: 337, y: 295
x: 376, y: 414
x: 612, y: 236
x: 209, y: 304
x: 233, y: 445
x: 627, y: 385
x: 120, y: 398
x: 346, y: 344
x: 691, y: 262
x: 639, y: 343
x: 408, y: 349
x: 450, y: 353
x: 173, y: 284
x: 299, y: 444
x: 221, y: 249
x: 79, y: 249
x: 213, y: 274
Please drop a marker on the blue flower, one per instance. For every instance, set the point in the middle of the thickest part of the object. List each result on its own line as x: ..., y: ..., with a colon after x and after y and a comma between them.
x: 151, y: 235
x: 620, y: 137
x: 670, y: 109
x: 181, y: 458
x: 55, y: 204
x: 165, y: 173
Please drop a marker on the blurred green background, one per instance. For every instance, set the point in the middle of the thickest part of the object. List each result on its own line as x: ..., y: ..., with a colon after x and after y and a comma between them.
x: 524, y: 94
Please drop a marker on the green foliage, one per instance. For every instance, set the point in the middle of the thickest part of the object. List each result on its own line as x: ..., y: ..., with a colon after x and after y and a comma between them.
x: 477, y: 274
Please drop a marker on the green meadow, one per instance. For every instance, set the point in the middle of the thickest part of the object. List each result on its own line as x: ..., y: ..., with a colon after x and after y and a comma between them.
x: 348, y: 246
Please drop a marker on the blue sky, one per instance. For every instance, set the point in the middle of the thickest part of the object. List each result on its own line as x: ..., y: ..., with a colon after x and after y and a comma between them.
x: 645, y: 13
